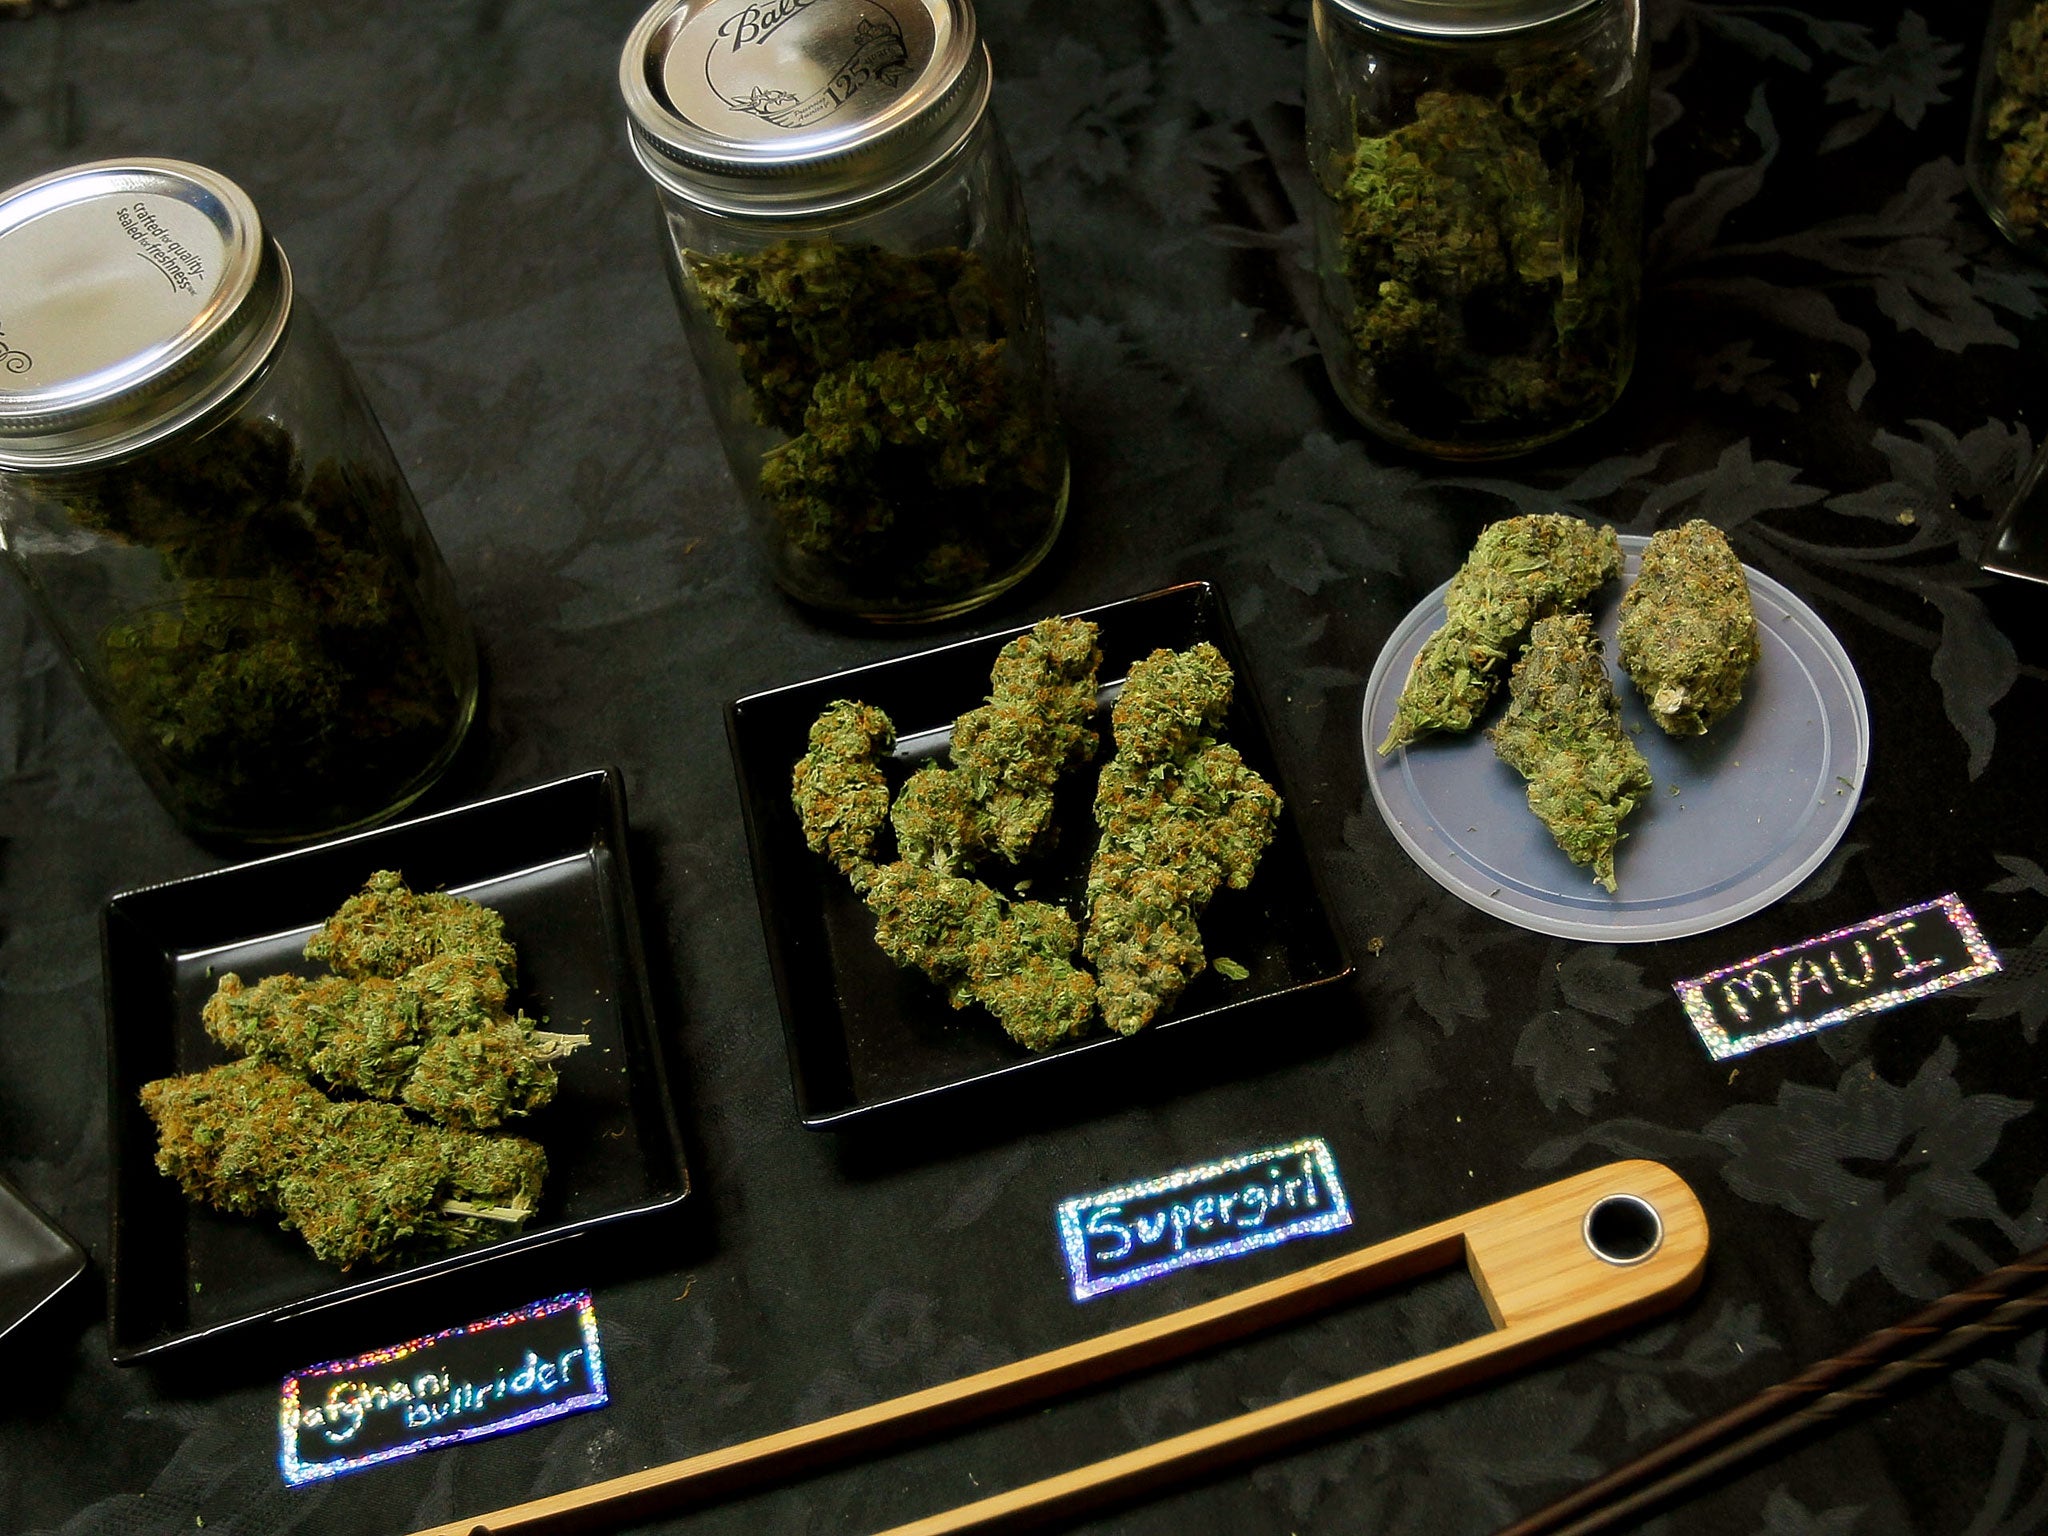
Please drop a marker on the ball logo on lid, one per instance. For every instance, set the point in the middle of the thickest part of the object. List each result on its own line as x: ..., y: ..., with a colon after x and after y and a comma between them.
x: 13, y: 359
x: 797, y: 76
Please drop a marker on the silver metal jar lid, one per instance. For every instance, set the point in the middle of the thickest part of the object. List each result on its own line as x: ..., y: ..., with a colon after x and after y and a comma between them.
x: 787, y: 108
x: 1463, y: 18
x: 135, y: 295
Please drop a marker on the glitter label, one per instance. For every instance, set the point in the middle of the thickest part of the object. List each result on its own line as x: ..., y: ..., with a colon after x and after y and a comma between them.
x: 1217, y: 1211
x: 1865, y: 968
x: 485, y: 1378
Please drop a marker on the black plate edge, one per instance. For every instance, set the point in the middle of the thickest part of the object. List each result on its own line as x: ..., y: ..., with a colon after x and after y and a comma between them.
x: 121, y: 1127
x: 75, y: 1254
x: 641, y: 1016
x: 1207, y: 598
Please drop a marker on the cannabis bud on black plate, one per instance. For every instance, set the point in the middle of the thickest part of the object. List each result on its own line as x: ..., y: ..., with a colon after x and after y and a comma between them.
x: 313, y: 1123
x: 1178, y: 813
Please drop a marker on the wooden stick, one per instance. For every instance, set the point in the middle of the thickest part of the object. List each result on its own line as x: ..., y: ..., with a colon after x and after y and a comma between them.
x: 1877, y: 1366
x: 1542, y: 1285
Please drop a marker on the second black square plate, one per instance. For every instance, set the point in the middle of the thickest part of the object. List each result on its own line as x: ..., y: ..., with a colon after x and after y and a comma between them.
x: 864, y: 1035
x: 552, y: 860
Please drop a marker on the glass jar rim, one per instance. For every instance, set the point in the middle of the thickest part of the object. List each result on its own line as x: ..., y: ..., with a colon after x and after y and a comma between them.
x: 1462, y: 18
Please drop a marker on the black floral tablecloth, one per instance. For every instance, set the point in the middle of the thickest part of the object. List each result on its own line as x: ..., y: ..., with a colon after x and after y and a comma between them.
x: 1840, y: 367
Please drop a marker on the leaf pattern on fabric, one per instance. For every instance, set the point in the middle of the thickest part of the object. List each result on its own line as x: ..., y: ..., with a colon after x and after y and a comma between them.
x: 1786, y: 1516
x: 2020, y: 990
x: 1904, y: 78
x: 1567, y: 1050
x: 1886, y: 1171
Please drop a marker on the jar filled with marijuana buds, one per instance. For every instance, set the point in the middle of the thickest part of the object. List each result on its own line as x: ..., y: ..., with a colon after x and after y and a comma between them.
x: 849, y: 253
x: 2007, y: 154
x: 1479, y: 233
x: 207, y: 515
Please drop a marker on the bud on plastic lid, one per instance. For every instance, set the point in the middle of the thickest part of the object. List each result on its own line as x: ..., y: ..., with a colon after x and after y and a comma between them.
x: 786, y: 108
x: 1463, y: 18
x: 135, y: 295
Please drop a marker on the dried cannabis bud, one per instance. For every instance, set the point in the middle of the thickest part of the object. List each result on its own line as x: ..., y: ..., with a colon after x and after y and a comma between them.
x: 1491, y: 291
x: 997, y: 798
x: 2016, y: 127
x: 1181, y: 816
x: 296, y: 679
x: 919, y: 459
x: 839, y: 792
x: 1688, y: 635
x: 387, y: 929
x: 1012, y: 957
x: 804, y: 309
x: 1562, y: 732
x: 359, y: 1181
x: 1521, y: 569
x: 437, y: 1038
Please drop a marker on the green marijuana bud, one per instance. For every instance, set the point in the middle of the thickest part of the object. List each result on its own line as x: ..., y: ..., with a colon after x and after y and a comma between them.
x: 1521, y: 569
x: 1688, y: 635
x: 804, y: 309
x: 1012, y: 957
x: 1490, y: 295
x: 840, y: 795
x: 293, y: 681
x: 1007, y: 755
x: 358, y: 1180
x: 1181, y: 815
x: 2017, y: 124
x: 437, y: 1038
x: 916, y: 459
x: 1562, y: 732
x: 387, y: 929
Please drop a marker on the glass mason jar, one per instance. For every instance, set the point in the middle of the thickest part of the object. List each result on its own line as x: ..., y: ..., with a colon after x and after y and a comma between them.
x: 848, y: 250
x: 1479, y: 233
x: 207, y: 515
x: 2007, y: 154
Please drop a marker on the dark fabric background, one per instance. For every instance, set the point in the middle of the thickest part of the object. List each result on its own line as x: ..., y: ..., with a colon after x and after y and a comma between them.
x: 1840, y: 366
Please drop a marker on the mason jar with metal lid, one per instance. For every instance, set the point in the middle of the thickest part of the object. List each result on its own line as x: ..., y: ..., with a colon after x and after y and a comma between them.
x: 206, y: 513
x: 1479, y: 233
x: 849, y: 253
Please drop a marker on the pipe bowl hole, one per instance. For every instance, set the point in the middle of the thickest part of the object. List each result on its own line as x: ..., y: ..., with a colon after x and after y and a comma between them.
x: 1623, y: 1229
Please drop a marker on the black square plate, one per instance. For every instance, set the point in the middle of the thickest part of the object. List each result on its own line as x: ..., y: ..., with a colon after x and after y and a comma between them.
x: 37, y: 1260
x: 864, y: 1035
x: 553, y: 861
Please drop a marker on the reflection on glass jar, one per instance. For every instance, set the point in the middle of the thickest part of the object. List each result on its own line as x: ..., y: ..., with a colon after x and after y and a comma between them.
x: 2007, y: 155
x: 1479, y: 236
x: 854, y: 274
x: 206, y: 513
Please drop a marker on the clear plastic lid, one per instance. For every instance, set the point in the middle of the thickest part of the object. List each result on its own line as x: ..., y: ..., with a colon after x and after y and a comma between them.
x: 1737, y: 819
